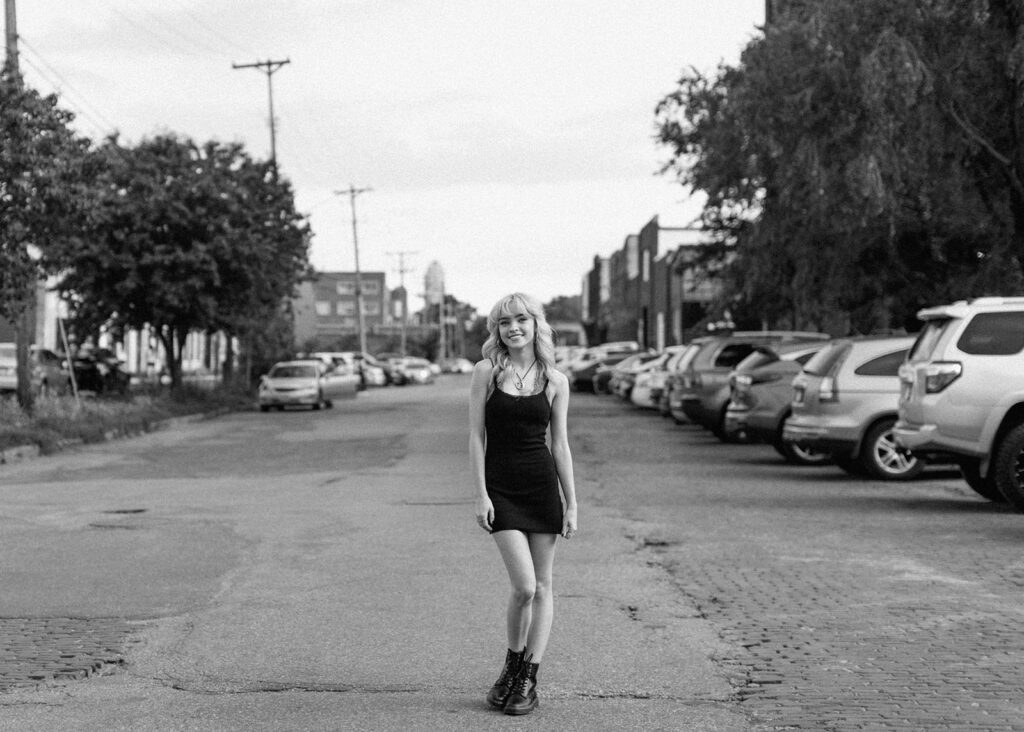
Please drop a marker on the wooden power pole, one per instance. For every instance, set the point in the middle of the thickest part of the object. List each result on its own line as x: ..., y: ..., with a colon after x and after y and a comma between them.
x: 352, y: 192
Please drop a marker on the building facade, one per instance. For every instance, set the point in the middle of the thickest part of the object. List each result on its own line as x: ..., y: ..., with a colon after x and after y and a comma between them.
x: 325, y: 308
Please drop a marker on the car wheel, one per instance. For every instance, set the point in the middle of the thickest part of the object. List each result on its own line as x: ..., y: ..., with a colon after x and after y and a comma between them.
x: 319, y: 403
x: 264, y: 408
x: 984, y: 487
x: 329, y: 403
x: 796, y: 454
x: 883, y: 459
x: 850, y: 465
x: 1008, y: 467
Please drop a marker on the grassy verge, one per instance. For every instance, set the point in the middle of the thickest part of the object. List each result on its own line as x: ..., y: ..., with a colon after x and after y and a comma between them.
x: 57, y: 419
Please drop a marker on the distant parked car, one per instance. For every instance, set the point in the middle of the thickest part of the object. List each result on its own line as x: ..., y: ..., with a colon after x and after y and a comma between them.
x: 649, y: 385
x: 624, y: 376
x: 310, y: 382
x: 99, y: 370
x: 705, y: 396
x: 581, y: 373
x: 50, y: 374
x: 962, y: 393
x: 845, y: 402
x: 761, y: 392
x: 456, y: 366
x: 675, y: 384
x: 411, y: 370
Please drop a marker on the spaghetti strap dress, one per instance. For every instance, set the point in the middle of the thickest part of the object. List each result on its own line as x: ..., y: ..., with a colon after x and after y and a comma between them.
x: 519, y: 470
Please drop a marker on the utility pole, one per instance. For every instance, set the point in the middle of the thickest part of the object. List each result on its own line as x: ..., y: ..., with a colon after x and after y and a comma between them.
x: 443, y: 345
x: 267, y: 67
x: 352, y: 192
x: 402, y: 269
x: 24, y: 325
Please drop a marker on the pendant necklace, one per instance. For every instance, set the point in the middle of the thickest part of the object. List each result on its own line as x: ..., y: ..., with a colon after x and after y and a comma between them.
x: 517, y: 382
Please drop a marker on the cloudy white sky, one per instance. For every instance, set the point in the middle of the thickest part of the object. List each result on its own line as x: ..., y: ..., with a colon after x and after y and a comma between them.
x: 509, y: 141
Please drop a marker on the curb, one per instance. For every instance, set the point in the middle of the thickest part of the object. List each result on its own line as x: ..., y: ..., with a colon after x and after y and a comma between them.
x: 20, y: 453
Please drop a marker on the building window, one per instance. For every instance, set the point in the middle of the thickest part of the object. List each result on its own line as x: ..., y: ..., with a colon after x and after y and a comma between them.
x: 346, y: 307
x: 323, y: 308
x: 346, y: 287
x: 371, y: 287
x: 371, y: 307
x: 647, y: 265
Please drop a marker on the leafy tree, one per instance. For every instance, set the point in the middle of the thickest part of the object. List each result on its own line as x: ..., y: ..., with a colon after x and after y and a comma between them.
x: 39, y: 198
x: 184, y: 238
x: 839, y: 186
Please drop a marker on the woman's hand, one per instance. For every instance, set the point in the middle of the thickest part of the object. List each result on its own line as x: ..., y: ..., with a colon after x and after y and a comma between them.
x: 484, y: 513
x: 569, y: 522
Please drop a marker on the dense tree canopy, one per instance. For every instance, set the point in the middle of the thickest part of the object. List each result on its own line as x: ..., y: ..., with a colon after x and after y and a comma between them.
x: 861, y: 161
x: 40, y: 195
x: 182, y: 237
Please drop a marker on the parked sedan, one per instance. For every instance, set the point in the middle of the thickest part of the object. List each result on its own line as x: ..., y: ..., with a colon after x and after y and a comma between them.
x: 759, y: 402
x: 49, y: 375
x: 309, y: 383
x: 845, y: 403
x: 415, y: 371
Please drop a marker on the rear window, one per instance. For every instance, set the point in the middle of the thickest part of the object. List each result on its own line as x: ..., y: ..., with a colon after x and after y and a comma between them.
x: 759, y: 357
x: 293, y: 372
x: 927, y: 340
x: 732, y: 354
x: 886, y: 365
x: 828, y: 358
x: 993, y: 334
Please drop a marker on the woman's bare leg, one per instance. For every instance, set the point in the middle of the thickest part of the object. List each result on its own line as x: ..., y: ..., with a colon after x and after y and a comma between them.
x: 542, y: 551
x: 515, y: 552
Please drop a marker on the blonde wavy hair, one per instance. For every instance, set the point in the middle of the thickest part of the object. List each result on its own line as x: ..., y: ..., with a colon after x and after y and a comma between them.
x: 495, y: 350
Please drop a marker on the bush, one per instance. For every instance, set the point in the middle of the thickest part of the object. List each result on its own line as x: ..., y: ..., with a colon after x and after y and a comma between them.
x: 59, y: 419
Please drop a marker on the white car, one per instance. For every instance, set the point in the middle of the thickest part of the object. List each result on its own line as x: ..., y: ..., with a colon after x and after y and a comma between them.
x: 309, y: 383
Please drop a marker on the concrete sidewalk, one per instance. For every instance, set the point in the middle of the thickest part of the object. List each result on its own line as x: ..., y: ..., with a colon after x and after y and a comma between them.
x: 369, y: 600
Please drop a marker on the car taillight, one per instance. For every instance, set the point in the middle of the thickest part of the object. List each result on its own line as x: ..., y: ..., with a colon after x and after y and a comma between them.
x: 828, y: 391
x: 939, y: 375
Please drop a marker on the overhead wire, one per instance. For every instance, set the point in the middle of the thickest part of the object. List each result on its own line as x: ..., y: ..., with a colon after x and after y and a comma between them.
x: 101, y: 127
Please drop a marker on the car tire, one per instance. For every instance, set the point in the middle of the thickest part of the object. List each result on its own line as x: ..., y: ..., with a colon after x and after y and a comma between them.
x: 883, y: 459
x: 850, y: 465
x: 985, y: 487
x: 329, y: 403
x: 264, y: 408
x: 1008, y: 467
x: 795, y: 454
x: 319, y: 403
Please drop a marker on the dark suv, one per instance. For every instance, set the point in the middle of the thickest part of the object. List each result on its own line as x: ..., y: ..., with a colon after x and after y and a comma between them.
x: 705, y: 387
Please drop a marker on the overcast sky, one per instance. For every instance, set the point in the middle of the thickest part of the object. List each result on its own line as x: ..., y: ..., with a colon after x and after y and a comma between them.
x: 510, y: 141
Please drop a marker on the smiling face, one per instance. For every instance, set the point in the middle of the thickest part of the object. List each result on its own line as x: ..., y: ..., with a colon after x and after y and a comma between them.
x: 516, y: 328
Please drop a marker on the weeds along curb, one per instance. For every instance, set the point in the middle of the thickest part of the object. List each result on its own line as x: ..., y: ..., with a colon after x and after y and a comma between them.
x: 20, y: 453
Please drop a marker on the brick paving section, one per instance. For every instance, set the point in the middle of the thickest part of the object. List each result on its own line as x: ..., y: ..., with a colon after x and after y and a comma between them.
x: 826, y: 644
x: 39, y: 650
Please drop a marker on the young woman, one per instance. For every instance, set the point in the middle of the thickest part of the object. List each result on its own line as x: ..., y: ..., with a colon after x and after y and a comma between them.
x: 516, y: 399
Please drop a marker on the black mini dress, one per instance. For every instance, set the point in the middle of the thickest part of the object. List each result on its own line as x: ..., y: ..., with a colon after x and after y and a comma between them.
x: 522, y: 482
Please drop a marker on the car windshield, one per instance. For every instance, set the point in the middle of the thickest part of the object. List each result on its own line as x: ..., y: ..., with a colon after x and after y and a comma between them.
x: 927, y: 340
x: 293, y: 371
x: 827, y: 358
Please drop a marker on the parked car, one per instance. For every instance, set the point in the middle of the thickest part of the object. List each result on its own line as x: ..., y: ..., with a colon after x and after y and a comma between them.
x: 50, y: 373
x: 456, y: 365
x: 613, y: 378
x: 705, y: 393
x: 674, y: 382
x: 412, y: 370
x: 760, y: 396
x: 624, y: 377
x: 371, y: 372
x: 649, y: 386
x: 962, y: 393
x: 581, y: 372
x: 845, y: 402
x: 99, y: 370
x: 307, y: 382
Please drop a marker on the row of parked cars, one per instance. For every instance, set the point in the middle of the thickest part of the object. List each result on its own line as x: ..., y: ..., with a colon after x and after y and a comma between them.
x: 317, y: 379
x: 880, y: 406
x: 95, y: 370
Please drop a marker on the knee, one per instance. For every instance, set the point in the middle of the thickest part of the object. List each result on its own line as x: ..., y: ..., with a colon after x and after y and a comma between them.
x: 542, y: 591
x: 523, y: 594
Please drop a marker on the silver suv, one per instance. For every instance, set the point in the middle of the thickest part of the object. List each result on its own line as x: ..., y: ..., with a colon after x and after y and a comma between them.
x: 962, y: 393
x: 845, y: 401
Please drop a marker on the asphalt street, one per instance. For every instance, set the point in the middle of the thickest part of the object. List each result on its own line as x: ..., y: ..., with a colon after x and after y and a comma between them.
x: 322, y: 571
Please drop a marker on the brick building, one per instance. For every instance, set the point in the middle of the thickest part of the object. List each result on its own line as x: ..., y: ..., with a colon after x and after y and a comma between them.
x: 325, y: 308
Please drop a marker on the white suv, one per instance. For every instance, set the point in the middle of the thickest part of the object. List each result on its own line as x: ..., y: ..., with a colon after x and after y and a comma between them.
x: 962, y: 393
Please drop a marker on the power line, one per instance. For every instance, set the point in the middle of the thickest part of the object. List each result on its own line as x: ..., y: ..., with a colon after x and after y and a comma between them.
x: 213, y: 31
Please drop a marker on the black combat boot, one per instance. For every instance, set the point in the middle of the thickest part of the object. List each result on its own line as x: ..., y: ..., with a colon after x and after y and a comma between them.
x: 498, y: 694
x: 522, y: 697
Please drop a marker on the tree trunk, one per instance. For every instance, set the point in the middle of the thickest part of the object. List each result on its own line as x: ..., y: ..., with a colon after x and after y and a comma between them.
x: 172, y: 355
x: 22, y: 340
x: 229, y: 358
